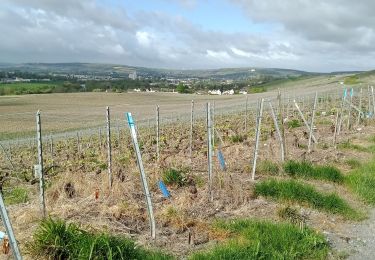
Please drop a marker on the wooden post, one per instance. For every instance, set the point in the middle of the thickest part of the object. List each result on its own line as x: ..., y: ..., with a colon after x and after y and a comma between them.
x: 350, y: 109
x: 341, y: 112
x: 336, y: 128
x: 7, y: 156
x: 78, y: 143
x: 246, y: 106
x: 257, y: 137
x: 281, y: 120
x: 40, y: 163
x: 209, y: 150
x: 312, y: 123
x: 304, y: 120
x: 100, y: 137
x: 51, y: 149
x: 278, y: 131
x: 109, y: 147
x: 213, y: 126
x: 143, y: 174
x: 118, y: 135
x: 360, y: 107
x: 9, y: 229
x: 191, y: 130
x: 373, y: 101
x: 157, y: 133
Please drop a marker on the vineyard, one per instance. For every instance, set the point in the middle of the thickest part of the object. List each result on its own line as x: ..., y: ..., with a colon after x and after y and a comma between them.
x: 277, y: 177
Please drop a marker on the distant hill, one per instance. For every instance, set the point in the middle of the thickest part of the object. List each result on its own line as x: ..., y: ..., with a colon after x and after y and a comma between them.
x: 123, y: 70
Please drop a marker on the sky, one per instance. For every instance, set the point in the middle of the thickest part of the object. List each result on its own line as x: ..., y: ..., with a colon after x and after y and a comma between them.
x: 320, y: 35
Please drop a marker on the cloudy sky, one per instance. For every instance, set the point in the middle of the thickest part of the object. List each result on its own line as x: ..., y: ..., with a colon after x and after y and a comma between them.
x: 313, y: 35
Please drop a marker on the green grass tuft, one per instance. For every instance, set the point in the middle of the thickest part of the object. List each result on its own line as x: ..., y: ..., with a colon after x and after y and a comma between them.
x: 55, y: 239
x: 174, y: 177
x: 15, y: 195
x: 268, y: 167
x: 294, y: 191
x: 362, y: 182
x: 306, y: 169
x: 347, y: 145
x: 237, y: 138
x: 353, y: 163
x: 252, y: 239
x: 294, y: 123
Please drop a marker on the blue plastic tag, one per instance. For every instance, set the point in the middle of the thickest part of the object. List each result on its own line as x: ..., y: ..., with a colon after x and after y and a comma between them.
x: 164, y: 189
x: 351, y: 92
x: 129, y: 118
x: 345, y: 93
x: 220, y: 156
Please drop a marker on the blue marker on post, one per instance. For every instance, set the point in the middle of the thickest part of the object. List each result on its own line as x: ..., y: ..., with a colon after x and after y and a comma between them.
x: 164, y: 189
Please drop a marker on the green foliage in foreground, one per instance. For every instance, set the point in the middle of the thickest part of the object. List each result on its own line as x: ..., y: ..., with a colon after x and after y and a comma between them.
x: 306, y: 169
x: 362, y: 182
x: 55, y: 239
x: 252, y: 239
x: 294, y: 191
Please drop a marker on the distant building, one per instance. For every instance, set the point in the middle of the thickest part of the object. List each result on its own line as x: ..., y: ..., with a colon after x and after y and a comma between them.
x: 228, y: 92
x: 244, y: 92
x: 214, y: 92
x: 137, y: 90
x: 133, y: 75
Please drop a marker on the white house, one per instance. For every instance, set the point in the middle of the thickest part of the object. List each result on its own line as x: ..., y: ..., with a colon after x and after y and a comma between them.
x: 228, y: 92
x: 244, y: 92
x: 214, y: 92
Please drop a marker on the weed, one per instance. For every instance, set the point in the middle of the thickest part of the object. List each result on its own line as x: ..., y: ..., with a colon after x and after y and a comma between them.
x: 174, y: 177
x: 268, y: 167
x: 253, y: 239
x: 15, y: 195
x: 237, y: 138
x: 292, y: 215
x: 55, y: 239
x: 305, y: 169
x: 294, y: 123
x: 293, y: 191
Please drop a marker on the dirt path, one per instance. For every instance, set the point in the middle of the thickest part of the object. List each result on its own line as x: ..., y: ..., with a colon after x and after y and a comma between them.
x: 357, y: 240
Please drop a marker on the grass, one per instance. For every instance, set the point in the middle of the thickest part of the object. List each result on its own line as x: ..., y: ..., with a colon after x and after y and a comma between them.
x: 253, y: 239
x: 268, y: 167
x: 294, y: 123
x: 307, y: 170
x: 237, y: 138
x: 347, y: 145
x: 55, y: 239
x: 174, y: 176
x: 353, y: 163
x: 15, y: 195
x: 362, y: 182
x: 305, y: 194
